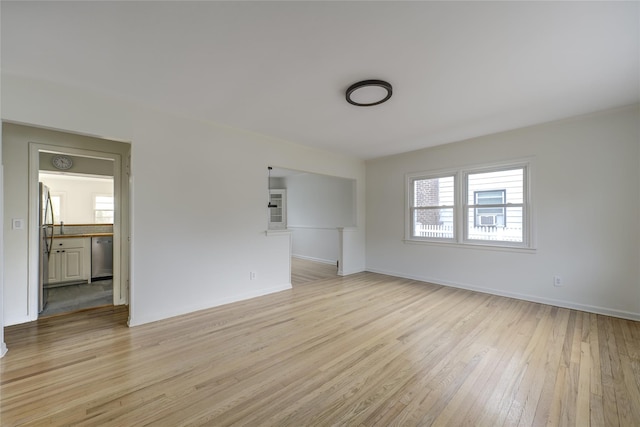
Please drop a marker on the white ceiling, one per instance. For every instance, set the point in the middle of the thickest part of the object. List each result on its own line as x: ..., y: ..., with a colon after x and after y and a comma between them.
x: 458, y: 69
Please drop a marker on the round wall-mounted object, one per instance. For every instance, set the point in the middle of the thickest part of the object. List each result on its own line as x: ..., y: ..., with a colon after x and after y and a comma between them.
x: 61, y: 162
x: 368, y: 93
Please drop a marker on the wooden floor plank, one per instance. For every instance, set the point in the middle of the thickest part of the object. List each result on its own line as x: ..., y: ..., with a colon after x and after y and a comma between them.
x: 306, y: 271
x: 606, y: 374
x: 363, y: 350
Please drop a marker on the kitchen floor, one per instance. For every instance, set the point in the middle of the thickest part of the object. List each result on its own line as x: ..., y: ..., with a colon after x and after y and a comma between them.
x: 69, y: 298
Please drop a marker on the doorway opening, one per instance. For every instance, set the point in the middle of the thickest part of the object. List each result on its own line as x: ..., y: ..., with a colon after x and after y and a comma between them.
x: 85, y: 259
x: 318, y: 208
x: 79, y: 253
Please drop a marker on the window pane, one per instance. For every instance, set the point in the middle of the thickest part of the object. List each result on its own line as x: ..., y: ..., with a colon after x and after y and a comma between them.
x: 434, y: 223
x: 482, y: 228
x: 103, y: 209
x: 494, y: 215
x: 490, y: 197
x: 56, y: 201
x: 488, y: 187
x: 433, y: 192
x: 104, y: 202
x: 493, y: 212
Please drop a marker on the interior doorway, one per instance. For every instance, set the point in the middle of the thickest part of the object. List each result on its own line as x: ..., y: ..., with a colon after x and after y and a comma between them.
x: 317, y: 207
x: 79, y: 252
x: 92, y: 195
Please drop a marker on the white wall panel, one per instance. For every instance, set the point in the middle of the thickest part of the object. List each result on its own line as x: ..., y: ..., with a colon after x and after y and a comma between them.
x: 316, y: 244
x: 317, y: 206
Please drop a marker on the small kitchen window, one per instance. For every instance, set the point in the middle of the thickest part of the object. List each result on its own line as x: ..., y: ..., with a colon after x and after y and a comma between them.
x: 57, y: 203
x: 103, y: 209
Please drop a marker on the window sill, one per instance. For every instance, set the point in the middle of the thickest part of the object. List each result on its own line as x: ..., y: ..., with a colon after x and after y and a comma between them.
x: 481, y: 246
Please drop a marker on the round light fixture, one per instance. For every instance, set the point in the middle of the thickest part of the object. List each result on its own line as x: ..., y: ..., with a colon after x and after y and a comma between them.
x: 368, y: 93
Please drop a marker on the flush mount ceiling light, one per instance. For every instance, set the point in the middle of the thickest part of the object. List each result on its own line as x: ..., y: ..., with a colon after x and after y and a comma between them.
x: 368, y: 93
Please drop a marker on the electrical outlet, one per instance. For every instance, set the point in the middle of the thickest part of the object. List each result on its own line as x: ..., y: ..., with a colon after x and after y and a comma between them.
x: 17, y: 224
x: 557, y: 281
x: 252, y: 275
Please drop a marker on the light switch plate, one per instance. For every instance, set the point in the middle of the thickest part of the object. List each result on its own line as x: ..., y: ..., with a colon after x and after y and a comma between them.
x: 17, y: 224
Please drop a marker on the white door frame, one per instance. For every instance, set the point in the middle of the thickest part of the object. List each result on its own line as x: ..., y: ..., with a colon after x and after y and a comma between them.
x: 120, y: 222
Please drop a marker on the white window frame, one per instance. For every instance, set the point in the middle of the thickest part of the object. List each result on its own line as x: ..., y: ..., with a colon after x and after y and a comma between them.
x: 411, y: 204
x: 461, y: 207
x: 94, y: 209
x: 61, y: 195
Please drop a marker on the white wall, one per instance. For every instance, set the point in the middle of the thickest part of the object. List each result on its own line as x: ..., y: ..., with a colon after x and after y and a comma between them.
x: 586, y: 201
x: 316, y: 206
x: 196, y: 234
x: 320, y: 200
x: 316, y: 244
x: 77, y: 195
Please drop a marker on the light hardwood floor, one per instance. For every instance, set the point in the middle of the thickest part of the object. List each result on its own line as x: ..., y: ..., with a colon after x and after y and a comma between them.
x: 305, y: 271
x: 362, y: 350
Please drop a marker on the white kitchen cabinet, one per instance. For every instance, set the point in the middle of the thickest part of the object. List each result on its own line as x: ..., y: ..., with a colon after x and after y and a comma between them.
x: 54, y: 267
x: 278, y: 213
x: 70, y: 260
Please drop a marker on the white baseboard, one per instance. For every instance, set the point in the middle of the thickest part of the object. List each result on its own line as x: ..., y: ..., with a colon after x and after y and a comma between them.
x: 348, y: 272
x: 17, y: 321
x: 141, y: 320
x: 531, y: 298
x: 310, y: 258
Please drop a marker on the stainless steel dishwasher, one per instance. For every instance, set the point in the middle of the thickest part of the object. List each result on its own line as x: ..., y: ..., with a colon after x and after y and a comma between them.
x: 101, y: 257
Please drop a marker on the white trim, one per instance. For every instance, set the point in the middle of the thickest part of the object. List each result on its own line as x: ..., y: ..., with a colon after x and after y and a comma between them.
x: 460, y: 207
x: 74, y: 176
x: 349, y: 272
x: 470, y: 245
x: 409, y: 202
x: 3, y: 345
x: 120, y: 221
x: 310, y: 258
x: 347, y: 229
x: 516, y: 295
x: 311, y: 227
x: 525, y: 165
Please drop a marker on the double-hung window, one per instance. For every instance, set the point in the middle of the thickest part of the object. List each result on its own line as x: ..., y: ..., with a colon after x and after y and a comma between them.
x: 432, y: 207
x: 57, y: 203
x: 494, y: 209
x: 103, y: 209
x: 478, y: 206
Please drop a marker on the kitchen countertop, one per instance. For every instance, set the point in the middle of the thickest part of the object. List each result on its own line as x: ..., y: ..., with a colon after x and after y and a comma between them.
x: 67, y: 236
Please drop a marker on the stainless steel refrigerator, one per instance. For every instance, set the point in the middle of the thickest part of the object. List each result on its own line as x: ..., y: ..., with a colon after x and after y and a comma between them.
x: 45, y: 210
